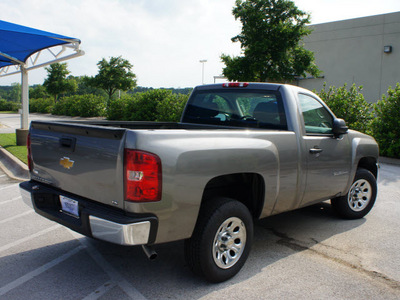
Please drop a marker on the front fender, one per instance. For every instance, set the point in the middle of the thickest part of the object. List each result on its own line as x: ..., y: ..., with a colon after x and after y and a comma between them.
x: 363, y: 146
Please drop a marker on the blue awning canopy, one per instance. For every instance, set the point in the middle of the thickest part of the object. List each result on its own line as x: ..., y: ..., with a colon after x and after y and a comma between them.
x: 18, y: 43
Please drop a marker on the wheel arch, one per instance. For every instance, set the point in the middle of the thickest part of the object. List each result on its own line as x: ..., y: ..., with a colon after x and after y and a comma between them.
x: 370, y: 164
x: 247, y: 188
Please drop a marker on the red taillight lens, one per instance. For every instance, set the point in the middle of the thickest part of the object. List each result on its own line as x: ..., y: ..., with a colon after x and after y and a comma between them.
x: 235, y: 84
x: 28, y: 145
x: 143, y: 180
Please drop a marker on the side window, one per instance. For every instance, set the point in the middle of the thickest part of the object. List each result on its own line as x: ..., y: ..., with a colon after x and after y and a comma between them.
x: 317, y: 119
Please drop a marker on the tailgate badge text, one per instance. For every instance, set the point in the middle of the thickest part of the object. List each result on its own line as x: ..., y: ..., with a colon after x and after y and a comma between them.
x: 66, y: 163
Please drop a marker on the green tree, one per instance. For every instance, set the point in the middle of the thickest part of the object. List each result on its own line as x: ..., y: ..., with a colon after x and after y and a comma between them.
x: 85, y: 87
x: 38, y: 91
x: 114, y: 75
x: 57, y: 82
x: 15, y: 93
x: 271, y: 42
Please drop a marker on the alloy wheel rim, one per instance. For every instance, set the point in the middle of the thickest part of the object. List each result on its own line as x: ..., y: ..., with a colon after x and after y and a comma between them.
x: 359, y: 195
x: 229, y: 243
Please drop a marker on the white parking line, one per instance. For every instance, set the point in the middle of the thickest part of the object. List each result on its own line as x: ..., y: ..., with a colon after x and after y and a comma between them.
x: 12, y: 285
x: 17, y: 216
x: 28, y: 238
x: 11, y: 200
x: 9, y: 186
x: 100, y: 291
x: 130, y: 290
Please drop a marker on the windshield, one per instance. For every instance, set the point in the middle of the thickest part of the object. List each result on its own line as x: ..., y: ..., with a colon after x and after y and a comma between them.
x: 238, y: 108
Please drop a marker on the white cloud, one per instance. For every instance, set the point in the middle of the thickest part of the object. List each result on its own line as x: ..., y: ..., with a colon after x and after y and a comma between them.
x: 163, y: 39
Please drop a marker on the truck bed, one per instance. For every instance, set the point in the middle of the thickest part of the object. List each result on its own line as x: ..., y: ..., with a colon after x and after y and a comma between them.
x: 86, y: 157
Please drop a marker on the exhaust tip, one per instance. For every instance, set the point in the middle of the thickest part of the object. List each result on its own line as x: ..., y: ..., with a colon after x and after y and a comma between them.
x: 149, y: 251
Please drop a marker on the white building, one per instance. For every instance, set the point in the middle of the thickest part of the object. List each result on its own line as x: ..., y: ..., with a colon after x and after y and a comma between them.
x: 364, y: 51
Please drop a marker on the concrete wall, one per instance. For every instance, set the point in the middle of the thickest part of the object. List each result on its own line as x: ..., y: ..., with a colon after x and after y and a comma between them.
x: 351, y: 51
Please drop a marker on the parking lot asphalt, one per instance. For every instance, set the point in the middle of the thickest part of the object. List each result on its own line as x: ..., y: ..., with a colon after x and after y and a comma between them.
x: 305, y: 254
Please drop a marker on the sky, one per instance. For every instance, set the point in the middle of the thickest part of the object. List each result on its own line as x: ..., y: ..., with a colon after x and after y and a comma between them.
x: 163, y: 39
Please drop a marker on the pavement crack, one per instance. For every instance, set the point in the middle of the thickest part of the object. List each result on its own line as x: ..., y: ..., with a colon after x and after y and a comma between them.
x: 300, y: 246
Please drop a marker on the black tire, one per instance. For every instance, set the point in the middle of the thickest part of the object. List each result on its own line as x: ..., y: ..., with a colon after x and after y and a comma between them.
x: 360, y: 199
x: 226, y: 227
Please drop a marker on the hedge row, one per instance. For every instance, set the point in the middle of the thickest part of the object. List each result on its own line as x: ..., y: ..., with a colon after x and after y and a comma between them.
x: 382, y: 119
x: 41, y: 105
x: 154, y: 105
x: 9, y: 106
x: 79, y: 105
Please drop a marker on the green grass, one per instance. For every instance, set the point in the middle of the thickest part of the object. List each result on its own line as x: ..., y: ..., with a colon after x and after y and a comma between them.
x: 9, y: 142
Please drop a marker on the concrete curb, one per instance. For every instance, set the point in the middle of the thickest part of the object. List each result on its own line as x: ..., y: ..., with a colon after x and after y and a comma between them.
x: 12, y: 166
x: 390, y: 161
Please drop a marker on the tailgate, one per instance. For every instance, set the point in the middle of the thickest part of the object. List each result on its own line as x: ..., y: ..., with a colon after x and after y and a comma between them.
x: 81, y: 159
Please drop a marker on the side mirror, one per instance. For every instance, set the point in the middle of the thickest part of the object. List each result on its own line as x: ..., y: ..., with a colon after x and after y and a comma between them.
x: 339, y: 127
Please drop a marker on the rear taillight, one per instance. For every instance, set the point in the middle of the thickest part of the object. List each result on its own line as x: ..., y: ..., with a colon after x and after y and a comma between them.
x: 30, y: 160
x: 235, y: 84
x: 143, y: 180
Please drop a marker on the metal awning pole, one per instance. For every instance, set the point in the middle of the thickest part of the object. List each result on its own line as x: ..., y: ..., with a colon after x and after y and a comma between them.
x: 23, y: 132
x: 25, y: 98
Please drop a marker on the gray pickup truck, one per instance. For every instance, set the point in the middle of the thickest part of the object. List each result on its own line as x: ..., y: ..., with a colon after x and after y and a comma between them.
x: 242, y: 151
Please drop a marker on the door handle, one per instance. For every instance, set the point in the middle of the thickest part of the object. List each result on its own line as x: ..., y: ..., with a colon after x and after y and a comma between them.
x: 315, y: 150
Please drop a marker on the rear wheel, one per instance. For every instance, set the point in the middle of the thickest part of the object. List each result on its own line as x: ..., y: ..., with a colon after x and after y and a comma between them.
x: 360, y: 199
x: 221, y: 241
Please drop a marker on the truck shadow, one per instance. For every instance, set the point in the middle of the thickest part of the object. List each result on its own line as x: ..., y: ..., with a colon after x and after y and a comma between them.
x: 275, y: 238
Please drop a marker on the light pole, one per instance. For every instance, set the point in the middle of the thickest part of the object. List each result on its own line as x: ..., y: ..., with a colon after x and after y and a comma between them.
x: 202, y: 61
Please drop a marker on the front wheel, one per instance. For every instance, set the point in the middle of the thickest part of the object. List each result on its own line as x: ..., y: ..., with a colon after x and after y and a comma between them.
x: 360, y: 199
x: 221, y: 241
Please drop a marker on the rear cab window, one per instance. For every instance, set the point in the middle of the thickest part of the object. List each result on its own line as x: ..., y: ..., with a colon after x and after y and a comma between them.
x: 237, y: 108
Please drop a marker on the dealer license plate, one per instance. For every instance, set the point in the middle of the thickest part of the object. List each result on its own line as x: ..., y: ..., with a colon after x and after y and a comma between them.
x: 69, y: 206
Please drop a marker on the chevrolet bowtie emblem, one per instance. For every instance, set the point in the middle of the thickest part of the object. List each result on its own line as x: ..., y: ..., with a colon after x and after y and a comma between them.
x: 66, y: 163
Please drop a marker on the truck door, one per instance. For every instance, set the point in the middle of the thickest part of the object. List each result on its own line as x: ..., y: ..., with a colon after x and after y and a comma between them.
x: 328, y: 159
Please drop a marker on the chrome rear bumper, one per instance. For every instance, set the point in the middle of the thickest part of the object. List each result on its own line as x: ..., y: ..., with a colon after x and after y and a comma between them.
x: 95, y: 220
x: 122, y: 234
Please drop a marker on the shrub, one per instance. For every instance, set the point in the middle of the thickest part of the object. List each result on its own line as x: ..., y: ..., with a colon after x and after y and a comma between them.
x: 171, y: 109
x: 144, y: 106
x: 386, y: 125
x: 8, y: 105
x: 80, y: 105
x: 63, y: 107
x: 41, y: 105
x: 117, y: 108
x: 155, y: 105
x: 91, y: 106
x: 349, y: 105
